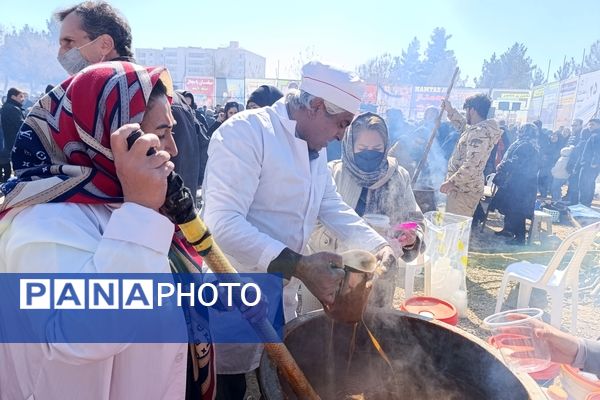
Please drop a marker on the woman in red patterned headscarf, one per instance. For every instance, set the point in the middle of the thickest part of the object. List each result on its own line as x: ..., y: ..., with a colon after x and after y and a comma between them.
x: 82, y: 202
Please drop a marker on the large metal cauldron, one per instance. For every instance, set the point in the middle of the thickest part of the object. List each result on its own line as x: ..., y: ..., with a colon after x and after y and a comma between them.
x: 425, y: 198
x: 430, y: 360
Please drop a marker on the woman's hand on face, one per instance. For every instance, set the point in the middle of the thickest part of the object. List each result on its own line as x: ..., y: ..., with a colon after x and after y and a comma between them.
x: 143, y: 177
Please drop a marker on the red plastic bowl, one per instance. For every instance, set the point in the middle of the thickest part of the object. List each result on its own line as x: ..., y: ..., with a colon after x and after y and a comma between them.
x: 431, y: 307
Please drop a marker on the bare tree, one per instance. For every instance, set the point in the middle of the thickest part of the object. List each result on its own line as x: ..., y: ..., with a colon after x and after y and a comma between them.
x: 294, y: 69
x: 379, y: 69
x: 29, y: 57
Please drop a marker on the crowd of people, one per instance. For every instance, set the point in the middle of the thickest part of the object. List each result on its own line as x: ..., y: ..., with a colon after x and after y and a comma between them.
x: 538, y: 165
x: 74, y: 193
x: 527, y: 163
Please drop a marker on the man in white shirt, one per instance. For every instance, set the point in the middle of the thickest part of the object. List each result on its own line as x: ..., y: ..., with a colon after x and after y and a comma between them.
x: 267, y: 183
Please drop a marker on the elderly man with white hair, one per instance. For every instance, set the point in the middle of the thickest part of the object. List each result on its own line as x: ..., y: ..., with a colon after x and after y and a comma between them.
x: 267, y: 184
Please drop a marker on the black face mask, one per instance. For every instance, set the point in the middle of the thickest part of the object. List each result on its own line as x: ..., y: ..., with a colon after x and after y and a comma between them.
x: 368, y: 160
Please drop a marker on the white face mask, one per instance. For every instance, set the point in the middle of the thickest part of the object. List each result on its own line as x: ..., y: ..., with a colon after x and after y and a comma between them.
x: 73, y: 61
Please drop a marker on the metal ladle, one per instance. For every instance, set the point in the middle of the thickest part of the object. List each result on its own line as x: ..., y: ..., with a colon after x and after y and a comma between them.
x: 351, y: 298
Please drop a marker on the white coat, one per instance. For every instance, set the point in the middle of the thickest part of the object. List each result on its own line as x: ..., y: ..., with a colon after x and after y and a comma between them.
x: 74, y: 238
x: 262, y: 193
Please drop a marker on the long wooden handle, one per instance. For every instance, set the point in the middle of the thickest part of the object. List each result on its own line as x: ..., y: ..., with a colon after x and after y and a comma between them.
x: 438, y: 120
x: 197, y: 234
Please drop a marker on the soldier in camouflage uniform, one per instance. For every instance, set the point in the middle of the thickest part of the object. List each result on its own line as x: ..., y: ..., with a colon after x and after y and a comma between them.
x: 478, y: 135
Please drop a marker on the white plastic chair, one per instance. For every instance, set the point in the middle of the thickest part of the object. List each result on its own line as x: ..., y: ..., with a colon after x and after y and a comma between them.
x: 549, y: 278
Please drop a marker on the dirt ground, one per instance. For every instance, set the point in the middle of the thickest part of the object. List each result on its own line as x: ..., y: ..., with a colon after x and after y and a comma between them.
x: 489, y: 255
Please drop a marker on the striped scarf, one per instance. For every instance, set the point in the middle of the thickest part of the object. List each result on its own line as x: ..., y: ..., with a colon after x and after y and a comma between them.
x: 62, y: 154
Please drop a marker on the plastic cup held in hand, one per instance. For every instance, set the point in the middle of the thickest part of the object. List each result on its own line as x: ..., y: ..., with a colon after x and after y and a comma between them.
x: 513, y: 334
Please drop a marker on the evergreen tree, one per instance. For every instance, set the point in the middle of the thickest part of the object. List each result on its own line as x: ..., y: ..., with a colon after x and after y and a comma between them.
x: 491, y: 73
x: 592, y: 59
x: 517, y: 67
x: 512, y: 70
x: 538, y: 77
x: 568, y: 69
x: 439, y: 63
x: 409, y: 70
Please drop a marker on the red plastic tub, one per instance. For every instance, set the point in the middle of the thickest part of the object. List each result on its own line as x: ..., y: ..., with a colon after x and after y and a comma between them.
x: 431, y: 307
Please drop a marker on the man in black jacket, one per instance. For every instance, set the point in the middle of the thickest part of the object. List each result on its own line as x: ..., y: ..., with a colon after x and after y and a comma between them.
x: 188, y: 134
x: 5, y: 168
x: 12, y: 118
x: 590, y: 164
x: 93, y: 32
x: 574, y: 166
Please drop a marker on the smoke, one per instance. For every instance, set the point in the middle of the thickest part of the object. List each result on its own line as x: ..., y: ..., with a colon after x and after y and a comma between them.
x: 409, y: 149
x: 437, y: 164
x: 428, y: 361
